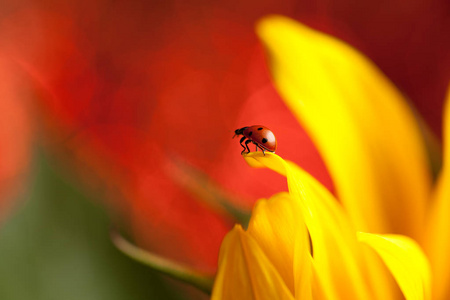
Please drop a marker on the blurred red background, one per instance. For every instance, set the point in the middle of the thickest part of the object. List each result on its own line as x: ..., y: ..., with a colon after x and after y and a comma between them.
x: 122, y: 88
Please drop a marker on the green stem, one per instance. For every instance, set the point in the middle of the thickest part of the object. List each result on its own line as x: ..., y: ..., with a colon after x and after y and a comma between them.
x: 201, y: 281
x: 209, y: 192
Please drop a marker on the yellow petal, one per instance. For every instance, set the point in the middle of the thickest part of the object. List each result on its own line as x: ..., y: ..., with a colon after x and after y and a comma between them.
x: 438, y: 229
x: 278, y: 227
x: 360, y: 122
x: 405, y: 260
x: 245, y: 272
x: 337, y: 259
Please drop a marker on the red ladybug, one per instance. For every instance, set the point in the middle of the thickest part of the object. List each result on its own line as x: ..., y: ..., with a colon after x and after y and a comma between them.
x: 259, y: 135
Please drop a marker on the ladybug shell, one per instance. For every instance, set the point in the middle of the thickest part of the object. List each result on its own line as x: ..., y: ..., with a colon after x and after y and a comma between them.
x: 262, y: 136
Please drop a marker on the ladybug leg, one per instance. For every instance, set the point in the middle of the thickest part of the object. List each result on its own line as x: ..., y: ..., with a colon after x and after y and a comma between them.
x: 262, y: 149
x: 246, y: 145
x: 240, y: 142
x: 257, y: 146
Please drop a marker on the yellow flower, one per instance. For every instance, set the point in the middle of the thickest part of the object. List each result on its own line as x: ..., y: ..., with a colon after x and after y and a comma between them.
x: 304, y: 244
x: 301, y: 245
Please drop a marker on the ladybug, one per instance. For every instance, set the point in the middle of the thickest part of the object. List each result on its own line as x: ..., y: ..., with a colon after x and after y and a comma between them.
x: 259, y: 135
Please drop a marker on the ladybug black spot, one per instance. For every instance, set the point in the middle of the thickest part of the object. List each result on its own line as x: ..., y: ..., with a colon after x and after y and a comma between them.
x: 264, y: 140
x: 250, y: 133
x: 260, y: 128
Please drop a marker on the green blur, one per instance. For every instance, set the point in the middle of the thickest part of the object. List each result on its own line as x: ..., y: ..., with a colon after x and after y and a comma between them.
x: 56, y: 245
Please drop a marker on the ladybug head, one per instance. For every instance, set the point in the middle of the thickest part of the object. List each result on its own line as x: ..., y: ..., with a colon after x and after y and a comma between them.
x: 239, y: 131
